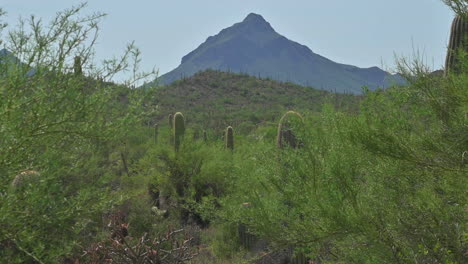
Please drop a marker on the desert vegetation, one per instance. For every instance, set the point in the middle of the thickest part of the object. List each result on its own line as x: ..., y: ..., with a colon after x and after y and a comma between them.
x: 92, y: 171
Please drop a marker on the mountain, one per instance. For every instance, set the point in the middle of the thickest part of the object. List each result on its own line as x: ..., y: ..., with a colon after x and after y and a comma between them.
x: 254, y: 47
x: 7, y: 58
x: 215, y: 99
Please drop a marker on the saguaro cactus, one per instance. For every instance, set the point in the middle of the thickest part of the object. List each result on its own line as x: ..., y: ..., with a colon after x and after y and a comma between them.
x: 285, y: 134
x: 246, y: 239
x: 156, y: 133
x: 178, y: 130
x: 170, y: 119
x: 299, y: 258
x: 458, y: 42
x: 229, y: 138
x: 77, y: 66
x: 196, y: 134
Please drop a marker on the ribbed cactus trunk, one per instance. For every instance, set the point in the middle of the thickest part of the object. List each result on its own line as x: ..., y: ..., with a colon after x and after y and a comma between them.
x: 170, y: 118
x: 285, y: 134
x: 299, y: 259
x: 178, y: 130
x: 458, y: 42
x: 77, y: 67
x: 229, y: 138
x: 286, y: 137
x: 246, y: 239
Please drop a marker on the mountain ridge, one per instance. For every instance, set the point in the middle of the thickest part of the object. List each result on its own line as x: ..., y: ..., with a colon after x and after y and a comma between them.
x: 254, y: 47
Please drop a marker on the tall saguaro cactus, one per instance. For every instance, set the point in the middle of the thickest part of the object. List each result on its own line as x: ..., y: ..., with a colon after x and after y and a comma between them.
x: 178, y: 130
x: 229, y: 138
x: 286, y: 137
x: 285, y: 134
x: 458, y: 42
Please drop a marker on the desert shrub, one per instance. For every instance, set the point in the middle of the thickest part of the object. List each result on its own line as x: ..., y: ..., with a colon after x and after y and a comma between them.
x: 189, y: 183
x: 65, y: 126
x: 385, y: 185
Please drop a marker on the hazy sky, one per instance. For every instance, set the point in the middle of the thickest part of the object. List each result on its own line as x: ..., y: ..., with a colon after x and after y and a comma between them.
x: 364, y: 33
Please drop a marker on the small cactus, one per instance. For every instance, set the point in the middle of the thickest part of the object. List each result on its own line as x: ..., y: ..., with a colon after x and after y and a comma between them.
x: 229, y: 138
x: 205, y: 137
x: 25, y: 178
x: 77, y: 66
x: 156, y: 133
x: 178, y: 130
x: 285, y: 134
x: 458, y: 42
x: 196, y: 134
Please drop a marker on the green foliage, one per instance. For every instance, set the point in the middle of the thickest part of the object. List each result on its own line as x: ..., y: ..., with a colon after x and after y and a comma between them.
x: 223, y: 240
x: 65, y: 127
x: 384, y: 186
x: 191, y: 181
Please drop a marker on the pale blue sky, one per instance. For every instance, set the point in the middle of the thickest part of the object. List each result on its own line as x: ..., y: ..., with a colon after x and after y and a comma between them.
x: 364, y: 33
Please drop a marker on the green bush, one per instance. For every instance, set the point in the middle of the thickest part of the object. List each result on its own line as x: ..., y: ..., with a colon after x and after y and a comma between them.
x: 66, y: 127
x: 385, y: 185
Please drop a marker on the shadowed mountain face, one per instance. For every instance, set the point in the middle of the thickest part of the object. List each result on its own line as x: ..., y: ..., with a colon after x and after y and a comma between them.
x: 254, y: 47
x: 8, y: 59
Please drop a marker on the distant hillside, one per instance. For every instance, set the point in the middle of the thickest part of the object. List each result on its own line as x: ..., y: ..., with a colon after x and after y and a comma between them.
x: 254, y: 47
x: 216, y: 99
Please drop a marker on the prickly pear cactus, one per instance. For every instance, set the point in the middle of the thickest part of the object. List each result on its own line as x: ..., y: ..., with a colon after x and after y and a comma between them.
x: 458, y: 42
x: 229, y: 138
x: 178, y: 130
x: 285, y: 134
